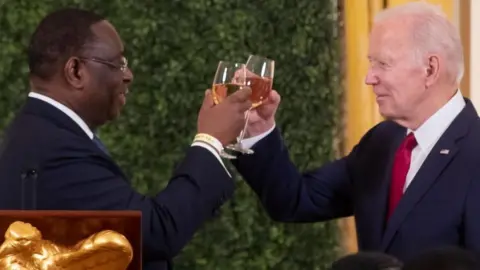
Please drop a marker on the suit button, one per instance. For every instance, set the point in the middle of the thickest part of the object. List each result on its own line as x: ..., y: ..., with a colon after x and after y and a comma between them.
x: 30, y: 174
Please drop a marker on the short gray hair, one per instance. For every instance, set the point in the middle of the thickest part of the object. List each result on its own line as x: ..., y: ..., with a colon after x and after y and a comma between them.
x: 432, y: 33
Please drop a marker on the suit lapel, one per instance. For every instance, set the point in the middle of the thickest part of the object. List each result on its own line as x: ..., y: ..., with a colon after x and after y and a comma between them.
x: 430, y: 171
x: 425, y: 178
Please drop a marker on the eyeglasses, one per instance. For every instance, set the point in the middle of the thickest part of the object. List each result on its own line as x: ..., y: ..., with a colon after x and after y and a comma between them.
x: 122, y: 66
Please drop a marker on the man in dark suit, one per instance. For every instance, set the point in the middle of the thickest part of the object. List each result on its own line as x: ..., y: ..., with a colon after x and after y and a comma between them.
x: 79, y: 79
x: 413, y: 181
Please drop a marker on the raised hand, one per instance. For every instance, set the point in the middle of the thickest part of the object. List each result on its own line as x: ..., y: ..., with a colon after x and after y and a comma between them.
x: 262, y: 118
x: 227, y: 119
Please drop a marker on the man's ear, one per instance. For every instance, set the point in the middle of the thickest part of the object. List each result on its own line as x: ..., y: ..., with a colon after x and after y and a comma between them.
x: 432, y: 70
x: 75, y: 73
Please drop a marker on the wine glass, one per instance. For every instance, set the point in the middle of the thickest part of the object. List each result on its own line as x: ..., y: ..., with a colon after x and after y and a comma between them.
x: 259, y: 77
x: 229, y: 78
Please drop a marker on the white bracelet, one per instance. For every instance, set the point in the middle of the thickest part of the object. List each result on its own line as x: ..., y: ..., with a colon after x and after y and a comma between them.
x: 210, y: 140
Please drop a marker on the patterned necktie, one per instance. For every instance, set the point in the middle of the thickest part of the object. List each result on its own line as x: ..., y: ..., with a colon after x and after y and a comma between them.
x: 99, y: 144
x: 401, y: 166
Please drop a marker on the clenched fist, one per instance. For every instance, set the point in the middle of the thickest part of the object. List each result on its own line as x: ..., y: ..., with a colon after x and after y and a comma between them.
x: 226, y: 120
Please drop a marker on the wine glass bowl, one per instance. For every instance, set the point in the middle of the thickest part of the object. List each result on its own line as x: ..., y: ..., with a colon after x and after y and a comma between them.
x: 259, y: 77
x: 229, y: 77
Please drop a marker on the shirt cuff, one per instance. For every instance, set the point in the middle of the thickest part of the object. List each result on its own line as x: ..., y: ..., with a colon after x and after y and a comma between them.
x: 250, y: 142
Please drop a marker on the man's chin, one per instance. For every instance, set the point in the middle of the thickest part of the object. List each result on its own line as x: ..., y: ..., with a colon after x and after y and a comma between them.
x: 114, y: 115
x: 387, y: 115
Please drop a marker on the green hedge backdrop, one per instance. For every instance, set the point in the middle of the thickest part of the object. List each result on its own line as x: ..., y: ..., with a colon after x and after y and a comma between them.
x: 173, y: 48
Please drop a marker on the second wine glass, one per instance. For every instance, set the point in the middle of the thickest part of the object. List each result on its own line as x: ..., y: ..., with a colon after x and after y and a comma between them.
x: 259, y: 77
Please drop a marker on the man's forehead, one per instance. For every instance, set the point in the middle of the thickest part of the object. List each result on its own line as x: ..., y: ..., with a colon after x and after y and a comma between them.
x: 107, y: 38
x: 391, y: 35
x: 388, y: 42
x: 398, y: 27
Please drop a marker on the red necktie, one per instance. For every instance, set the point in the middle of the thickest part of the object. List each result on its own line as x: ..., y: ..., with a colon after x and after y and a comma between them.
x: 401, y: 164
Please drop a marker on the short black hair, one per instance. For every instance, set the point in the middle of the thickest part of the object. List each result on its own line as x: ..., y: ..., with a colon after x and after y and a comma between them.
x: 367, y: 261
x: 59, y: 36
x: 444, y: 258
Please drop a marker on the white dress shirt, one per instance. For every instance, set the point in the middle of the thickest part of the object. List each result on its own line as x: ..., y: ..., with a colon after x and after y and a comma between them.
x: 89, y: 132
x: 426, y: 135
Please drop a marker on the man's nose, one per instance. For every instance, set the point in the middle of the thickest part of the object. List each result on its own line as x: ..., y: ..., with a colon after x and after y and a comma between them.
x: 128, y: 76
x: 371, y: 78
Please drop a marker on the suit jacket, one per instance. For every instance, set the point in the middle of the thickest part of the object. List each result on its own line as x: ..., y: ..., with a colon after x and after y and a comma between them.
x: 440, y: 207
x: 72, y: 173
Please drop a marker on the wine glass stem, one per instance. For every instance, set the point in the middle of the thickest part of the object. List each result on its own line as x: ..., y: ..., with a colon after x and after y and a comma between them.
x: 242, y: 134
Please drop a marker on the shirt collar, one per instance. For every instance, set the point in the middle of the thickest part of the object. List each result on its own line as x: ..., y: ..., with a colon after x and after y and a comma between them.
x: 429, y: 132
x: 77, y: 119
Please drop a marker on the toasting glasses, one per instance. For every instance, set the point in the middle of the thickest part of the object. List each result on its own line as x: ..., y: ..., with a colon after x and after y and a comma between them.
x: 257, y: 74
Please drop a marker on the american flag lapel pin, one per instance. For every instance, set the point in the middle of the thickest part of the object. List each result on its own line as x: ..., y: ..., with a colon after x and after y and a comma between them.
x: 444, y: 151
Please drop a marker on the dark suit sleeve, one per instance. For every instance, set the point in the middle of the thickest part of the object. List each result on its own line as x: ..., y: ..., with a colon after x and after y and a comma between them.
x: 198, y: 187
x: 472, y: 217
x: 290, y: 196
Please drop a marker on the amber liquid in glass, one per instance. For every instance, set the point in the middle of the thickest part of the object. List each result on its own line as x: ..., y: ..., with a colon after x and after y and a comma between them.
x: 261, y: 88
x: 221, y: 91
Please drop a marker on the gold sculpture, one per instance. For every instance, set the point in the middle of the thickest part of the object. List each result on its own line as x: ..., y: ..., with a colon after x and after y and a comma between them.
x: 24, y: 249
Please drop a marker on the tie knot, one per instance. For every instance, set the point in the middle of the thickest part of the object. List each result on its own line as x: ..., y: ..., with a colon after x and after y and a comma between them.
x: 410, y: 142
